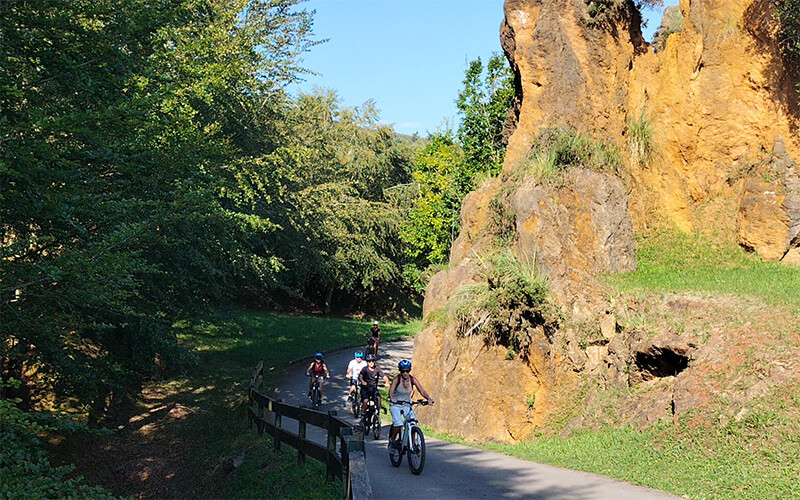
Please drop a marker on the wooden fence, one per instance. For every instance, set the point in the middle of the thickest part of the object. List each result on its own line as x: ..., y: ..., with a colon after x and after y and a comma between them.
x: 349, y: 464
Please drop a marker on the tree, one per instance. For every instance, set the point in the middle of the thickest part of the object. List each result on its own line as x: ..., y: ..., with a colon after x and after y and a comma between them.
x: 123, y: 121
x: 433, y: 219
x: 483, y: 105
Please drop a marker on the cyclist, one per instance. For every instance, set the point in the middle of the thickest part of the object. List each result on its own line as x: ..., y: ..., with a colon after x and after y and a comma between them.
x: 374, y: 338
x: 316, y: 369
x: 368, y: 378
x: 353, y: 370
x: 400, y: 392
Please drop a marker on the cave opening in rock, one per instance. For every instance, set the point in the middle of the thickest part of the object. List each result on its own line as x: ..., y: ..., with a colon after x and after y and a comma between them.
x: 661, y: 362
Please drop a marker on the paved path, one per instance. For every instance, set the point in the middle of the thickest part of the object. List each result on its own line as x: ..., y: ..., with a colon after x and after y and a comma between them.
x: 451, y: 471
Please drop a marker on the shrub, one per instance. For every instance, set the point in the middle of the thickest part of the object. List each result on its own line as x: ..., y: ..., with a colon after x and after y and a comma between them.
x: 25, y: 470
x: 508, y: 304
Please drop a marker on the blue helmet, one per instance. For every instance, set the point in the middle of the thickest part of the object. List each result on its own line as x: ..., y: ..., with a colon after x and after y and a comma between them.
x: 404, y: 366
x: 318, y: 355
x: 359, y: 354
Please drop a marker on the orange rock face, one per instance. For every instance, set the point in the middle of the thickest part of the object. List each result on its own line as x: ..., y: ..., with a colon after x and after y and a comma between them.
x: 718, y: 104
x: 718, y: 95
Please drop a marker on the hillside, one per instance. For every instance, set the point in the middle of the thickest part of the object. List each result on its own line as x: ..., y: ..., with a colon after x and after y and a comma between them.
x: 615, y: 146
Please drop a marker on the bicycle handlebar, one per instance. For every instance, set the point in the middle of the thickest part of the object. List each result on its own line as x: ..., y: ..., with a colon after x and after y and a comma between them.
x: 422, y: 402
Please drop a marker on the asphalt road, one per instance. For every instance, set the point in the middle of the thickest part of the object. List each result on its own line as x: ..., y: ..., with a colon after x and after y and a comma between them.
x: 451, y: 471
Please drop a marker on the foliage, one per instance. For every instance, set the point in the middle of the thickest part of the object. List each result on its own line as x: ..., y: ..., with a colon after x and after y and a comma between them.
x: 672, y: 22
x: 25, y: 471
x: 483, y: 105
x: 507, y: 304
x: 339, y: 227
x: 556, y: 150
x: 433, y: 219
x: 606, y: 12
x: 787, y: 13
x: 121, y: 119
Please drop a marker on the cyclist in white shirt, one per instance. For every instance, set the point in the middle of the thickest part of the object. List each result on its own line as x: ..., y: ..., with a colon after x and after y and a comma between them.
x: 353, y: 369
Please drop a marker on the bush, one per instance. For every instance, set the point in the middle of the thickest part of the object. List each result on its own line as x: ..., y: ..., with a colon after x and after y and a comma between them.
x: 25, y: 470
x: 508, y: 304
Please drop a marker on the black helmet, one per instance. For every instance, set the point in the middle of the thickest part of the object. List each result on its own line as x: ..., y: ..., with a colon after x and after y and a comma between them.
x: 404, y: 366
x: 369, y: 357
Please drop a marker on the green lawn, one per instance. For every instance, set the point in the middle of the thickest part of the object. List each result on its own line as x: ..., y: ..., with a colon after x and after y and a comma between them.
x: 675, y: 262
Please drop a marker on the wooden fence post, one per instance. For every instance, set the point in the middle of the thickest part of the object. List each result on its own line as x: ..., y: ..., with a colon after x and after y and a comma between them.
x: 330, y: 476
x: 301, y: 433
x: 278, y: 427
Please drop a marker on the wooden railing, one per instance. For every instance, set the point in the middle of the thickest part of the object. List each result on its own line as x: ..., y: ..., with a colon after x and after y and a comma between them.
x: 349, y: 465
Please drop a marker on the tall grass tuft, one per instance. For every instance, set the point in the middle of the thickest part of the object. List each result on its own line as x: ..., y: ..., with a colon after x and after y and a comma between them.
x: 639, y: 131
x: 557, y: 150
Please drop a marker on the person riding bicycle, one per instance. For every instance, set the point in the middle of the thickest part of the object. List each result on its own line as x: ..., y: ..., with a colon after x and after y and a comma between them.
x: 368, y: 378
x: 374, y: 338
x: 317, y: 368
x: 400, y: 392
x: 354, y: 370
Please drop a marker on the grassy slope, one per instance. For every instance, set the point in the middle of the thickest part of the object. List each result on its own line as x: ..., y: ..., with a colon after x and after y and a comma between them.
x: 757, y: 456
x: 177, y: 440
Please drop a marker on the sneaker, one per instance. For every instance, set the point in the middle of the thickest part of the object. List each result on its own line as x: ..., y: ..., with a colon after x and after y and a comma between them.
x: 350, y: 398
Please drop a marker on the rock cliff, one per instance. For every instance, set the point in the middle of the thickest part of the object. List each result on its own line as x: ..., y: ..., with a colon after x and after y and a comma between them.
x: 710, y: 128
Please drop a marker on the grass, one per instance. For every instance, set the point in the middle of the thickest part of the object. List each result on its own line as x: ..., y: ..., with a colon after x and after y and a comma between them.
x: 675, y: 262
x: 212, y: 395
x: 557, y: 150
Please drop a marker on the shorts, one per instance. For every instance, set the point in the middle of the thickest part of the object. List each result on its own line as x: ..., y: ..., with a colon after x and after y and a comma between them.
x: 397, y: 418
x: 353, y: 381
x: 368, y: 392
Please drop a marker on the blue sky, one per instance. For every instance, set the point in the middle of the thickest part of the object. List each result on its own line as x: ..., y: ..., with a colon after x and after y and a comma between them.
x: 409, y: 56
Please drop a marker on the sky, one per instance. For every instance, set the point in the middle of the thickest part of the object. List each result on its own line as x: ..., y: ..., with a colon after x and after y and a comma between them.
x: 409, y: 56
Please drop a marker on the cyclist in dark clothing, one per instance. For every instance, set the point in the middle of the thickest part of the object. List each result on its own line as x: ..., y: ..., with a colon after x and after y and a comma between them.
x: 374, y: 338
x: 369, y: 377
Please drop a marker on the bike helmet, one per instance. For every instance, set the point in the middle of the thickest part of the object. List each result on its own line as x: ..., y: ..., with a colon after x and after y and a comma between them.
x: 375, y: 323
x: 359, y: 354
x: 404, y: 366
x: 318, y: 355
x: 369, y: 357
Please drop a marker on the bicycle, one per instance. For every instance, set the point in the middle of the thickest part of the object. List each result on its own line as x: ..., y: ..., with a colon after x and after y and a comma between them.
x: 412, y: 441
x: 372, y: 418
x: 356, y: 404
x: 316, y: 391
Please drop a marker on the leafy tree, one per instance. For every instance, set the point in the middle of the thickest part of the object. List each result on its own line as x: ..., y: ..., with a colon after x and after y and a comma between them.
x: 483, y: 105
x: 338, y: 230
x: 122, y: 121
x: 433, y: 220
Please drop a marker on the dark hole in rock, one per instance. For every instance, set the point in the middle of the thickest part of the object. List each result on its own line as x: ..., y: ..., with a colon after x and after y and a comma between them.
x: 661, y: 362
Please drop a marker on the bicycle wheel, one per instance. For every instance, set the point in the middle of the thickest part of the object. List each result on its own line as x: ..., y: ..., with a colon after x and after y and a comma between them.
x: 356, y: 407
x: 416, y: 455
x: 395, y: 456
x: 376, y: 425
x: 315, y: 399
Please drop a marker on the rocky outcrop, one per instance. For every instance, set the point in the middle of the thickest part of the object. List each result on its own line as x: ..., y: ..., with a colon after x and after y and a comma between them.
x: 769, y: 211
x: 717, y: 96
x: 700, y: 121
x: 573, y: 231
